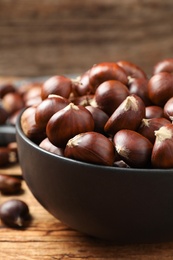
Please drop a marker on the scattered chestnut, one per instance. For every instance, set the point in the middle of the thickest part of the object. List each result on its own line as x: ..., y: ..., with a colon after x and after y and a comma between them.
x: 6, y: 87
x: 67, y: 123
x: 160, y: 88
x: 12, y: 102
x: 132, y: 69
x: 110, y: 94
x: 59, y: 85
x: 133, y: 148
x: 91, y: 147
x: 162, y: 155
x: 4, y: 156
x: 15, y: 213
x: 165, y: 65
x: 106, y: 71
x: 128, y: 115
x: 9, y: 185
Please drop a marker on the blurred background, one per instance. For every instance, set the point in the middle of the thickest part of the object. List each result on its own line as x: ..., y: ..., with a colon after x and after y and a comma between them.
x: 47, y: 37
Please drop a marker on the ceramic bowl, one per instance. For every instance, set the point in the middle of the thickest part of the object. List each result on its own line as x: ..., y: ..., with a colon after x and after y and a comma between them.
x: 125, y: 205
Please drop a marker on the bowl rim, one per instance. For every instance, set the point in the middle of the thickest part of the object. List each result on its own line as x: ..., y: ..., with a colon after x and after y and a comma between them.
x: 115, y: 169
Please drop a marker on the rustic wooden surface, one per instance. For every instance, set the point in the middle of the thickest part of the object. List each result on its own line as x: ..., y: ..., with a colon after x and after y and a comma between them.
x: 63, y: 36
x: 47, y: 238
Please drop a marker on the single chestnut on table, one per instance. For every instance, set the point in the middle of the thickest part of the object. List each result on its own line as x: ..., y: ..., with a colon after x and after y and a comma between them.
x: 10, y: 185
x: 15, y: 213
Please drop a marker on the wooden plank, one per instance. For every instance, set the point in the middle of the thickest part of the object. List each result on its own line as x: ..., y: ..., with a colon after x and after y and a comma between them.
x: 70, y: 36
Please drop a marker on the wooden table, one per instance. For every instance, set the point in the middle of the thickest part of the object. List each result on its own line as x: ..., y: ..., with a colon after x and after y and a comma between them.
x: 47, y: 238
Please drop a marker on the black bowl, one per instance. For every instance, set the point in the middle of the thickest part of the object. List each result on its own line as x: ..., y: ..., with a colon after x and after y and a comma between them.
x: 121, y: 204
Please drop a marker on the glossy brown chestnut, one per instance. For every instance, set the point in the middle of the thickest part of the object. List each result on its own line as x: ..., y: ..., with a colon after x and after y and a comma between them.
x: 154, y: 112
x: 85, y: 100
x: 100, y: 118
x: 4, y: 156
x: 168, y: 109
x: 12, y: 102
x: 67, y: 123
x: 149, y: 126
x: 29, y: 126
x: 15, y: 213
x: 160, y: 88
x: 128, y: 115
x: 139, y: 86
x: 5, y: 88
x: 133, y: 148
x: 109, y: 95
x: 48, y: 107
x: 33, y: 95
x: 106, y: 71
x: 82, y: 86
x: 59, y: 85
x: 9, y: 185
x: 165, y: 65
x: 162, y: 155
x: 48, y: 146
x: 91, y: 147
x: 132, y: 69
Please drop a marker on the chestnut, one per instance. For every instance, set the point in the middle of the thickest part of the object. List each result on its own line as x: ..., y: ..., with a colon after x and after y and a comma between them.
x: 82, y: 86
x: 91, y: 147
x: 160, y: 88
x: 110, y: 94
x: 67, y: 123
x: 133, y: 148
x: 139, y: 87
x: 33, y: 95
x: 15, y: 213
x: 153, y: 112
x: 131, y: 69
x: 162, y: 155
x: 59, y: 85
x: 100, y: 118
x: 149, y: 126
x: 128, y: 115
x: 9, y: 185
x: 165, y: 65
x: 6, y: 87
x: 106, y: 71
x: 48, y: 107
x: 85, y: 100
x: 48, y: 146
x: 168, y: 109
x: 12, y: 102
x: 29, y: 126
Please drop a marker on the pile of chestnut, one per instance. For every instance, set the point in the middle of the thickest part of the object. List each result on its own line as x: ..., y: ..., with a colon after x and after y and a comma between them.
x: 112, y: 115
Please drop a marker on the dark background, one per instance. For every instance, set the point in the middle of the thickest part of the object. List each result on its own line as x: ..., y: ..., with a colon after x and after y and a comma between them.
x: 62, y: 36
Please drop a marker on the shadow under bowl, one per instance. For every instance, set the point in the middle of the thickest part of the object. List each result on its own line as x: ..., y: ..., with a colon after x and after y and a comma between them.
x: 121, y: 204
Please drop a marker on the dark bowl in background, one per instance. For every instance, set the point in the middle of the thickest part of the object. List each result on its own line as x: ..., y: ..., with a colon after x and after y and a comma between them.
x: 121, y: 204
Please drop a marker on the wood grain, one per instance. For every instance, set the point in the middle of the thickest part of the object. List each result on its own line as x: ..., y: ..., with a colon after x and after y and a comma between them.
x: 47, y: 238
x: 62, y: 37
